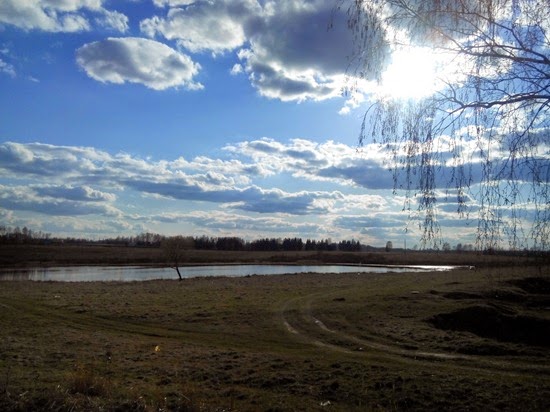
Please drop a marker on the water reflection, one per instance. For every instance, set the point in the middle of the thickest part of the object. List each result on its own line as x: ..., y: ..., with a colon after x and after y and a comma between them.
x: 139, y: 273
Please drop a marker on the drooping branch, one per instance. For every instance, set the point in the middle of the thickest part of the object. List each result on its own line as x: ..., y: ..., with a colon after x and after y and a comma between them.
x: 498, y: 107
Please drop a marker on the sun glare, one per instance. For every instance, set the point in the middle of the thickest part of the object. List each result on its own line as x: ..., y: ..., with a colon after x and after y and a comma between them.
x: 413, y: 73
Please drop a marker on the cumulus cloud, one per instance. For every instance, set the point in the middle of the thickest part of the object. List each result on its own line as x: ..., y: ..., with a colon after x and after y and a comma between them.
x: 114, y: 20
x: 202, y: 179
x: 137, y: 60
x: 251, y: 199
x: 319, y: 161
x: 224, y: 221
x: 223, y: 182
x: 83, y: 181
x: 236, y: 69
x: 201, y: 33
x: 76, y: 225
x: 204, y: 26
x: 368, y: 168
x: 369, y: 222
x: 37, y: 159
x: 232, y: 222
x: 293, y: 56
x: 59, y: 15
x: 172, y: 3
x: 362, y: 172
x: 285, y: 47
x: 76, y: 193
x: 70, y: 5
x: 240, y: 172
x: 92, y: 165
x: 28, y: 15
x: 298, y: 155
x: 25, y: 198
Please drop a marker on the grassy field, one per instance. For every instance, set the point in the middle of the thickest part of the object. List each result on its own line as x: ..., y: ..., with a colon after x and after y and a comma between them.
x: 460, y: 340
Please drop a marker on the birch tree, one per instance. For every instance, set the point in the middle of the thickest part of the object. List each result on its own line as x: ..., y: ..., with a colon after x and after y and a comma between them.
x: 482, y: 134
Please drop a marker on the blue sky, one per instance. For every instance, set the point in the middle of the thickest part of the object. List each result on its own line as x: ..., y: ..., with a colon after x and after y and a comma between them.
x: 197, y: 118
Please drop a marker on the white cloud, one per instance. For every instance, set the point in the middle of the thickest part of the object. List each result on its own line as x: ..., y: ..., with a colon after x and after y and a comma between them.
x: 74, y: 23
x: 237, y: 69
x: 225, y: 196
x: 70, y: 5
x: 204, y: 26
x: 114, y: 20
x: 77, y: 226
x: 203, y: 179
x: 285, y: 47
x: 224, y: 221
x: 27, y: 198
x: 172, y: 3
x: 137, y: 60
x: 27, y: 15
x: 7, y: 68
x: 355, y: 99
x: 293, y: 55
x: 58, y: 15
x: 76, y: 193
x: 313, y: 161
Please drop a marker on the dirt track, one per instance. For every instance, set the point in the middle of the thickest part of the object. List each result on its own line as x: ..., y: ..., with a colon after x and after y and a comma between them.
x: 298, y: 319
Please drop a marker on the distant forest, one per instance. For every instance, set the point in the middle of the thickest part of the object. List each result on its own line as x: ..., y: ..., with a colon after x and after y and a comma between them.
x: 17, y: 235
x: 25, y: 235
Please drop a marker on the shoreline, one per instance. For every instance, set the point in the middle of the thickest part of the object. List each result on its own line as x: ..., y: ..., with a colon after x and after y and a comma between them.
x: 138, y: 273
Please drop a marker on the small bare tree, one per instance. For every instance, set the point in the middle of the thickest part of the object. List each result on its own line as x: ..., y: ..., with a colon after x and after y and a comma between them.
x: 175, y: 249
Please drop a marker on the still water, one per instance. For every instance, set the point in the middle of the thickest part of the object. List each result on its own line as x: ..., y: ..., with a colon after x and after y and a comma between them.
x: 139, y: 273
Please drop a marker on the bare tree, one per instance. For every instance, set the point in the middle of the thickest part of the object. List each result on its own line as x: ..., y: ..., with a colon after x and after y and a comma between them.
x: 175, y: 249
x: 493, y: 115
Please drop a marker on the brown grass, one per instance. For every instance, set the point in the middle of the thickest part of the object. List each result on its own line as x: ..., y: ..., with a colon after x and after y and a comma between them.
x: 56, y: 255
x: 290, y: 342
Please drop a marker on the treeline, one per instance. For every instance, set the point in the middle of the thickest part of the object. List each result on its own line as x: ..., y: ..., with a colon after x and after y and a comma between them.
x: 22, y: 235
x: 239, y: 244
x: 25, y: 235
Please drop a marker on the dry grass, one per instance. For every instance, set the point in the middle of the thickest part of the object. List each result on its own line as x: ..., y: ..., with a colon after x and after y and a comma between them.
x: 57, y: 255
x: 290, y: 342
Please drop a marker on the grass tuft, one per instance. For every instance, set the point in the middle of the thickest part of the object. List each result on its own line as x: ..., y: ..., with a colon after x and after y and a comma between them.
x: 85, y: 381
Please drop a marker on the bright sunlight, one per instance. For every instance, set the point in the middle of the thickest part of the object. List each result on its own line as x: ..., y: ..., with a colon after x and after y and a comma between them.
x: 414, y: 73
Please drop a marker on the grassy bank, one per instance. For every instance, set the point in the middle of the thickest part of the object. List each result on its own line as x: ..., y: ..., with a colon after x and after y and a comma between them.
x: 291, y: 342
x: 52, y: 255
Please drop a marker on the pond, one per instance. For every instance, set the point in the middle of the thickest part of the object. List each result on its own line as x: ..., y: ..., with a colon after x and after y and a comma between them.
x: 140, y: 273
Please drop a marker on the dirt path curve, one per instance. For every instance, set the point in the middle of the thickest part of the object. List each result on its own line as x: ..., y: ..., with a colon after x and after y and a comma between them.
x: 297, y: 318
x: 348, y: 343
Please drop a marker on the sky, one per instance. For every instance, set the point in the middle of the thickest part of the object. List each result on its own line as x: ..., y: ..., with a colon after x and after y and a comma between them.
x: 221, y: 118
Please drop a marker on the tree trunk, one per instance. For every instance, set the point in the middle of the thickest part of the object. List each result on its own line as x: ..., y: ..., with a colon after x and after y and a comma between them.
x: 178, y: 270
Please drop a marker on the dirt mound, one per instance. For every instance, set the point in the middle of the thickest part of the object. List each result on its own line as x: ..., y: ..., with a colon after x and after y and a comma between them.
x: 489, y: 322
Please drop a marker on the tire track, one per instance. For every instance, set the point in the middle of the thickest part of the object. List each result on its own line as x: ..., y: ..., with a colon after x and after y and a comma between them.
x: 468, y: 362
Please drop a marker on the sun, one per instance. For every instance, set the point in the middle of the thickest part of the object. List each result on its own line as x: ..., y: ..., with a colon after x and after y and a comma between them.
x: 414, y: 73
